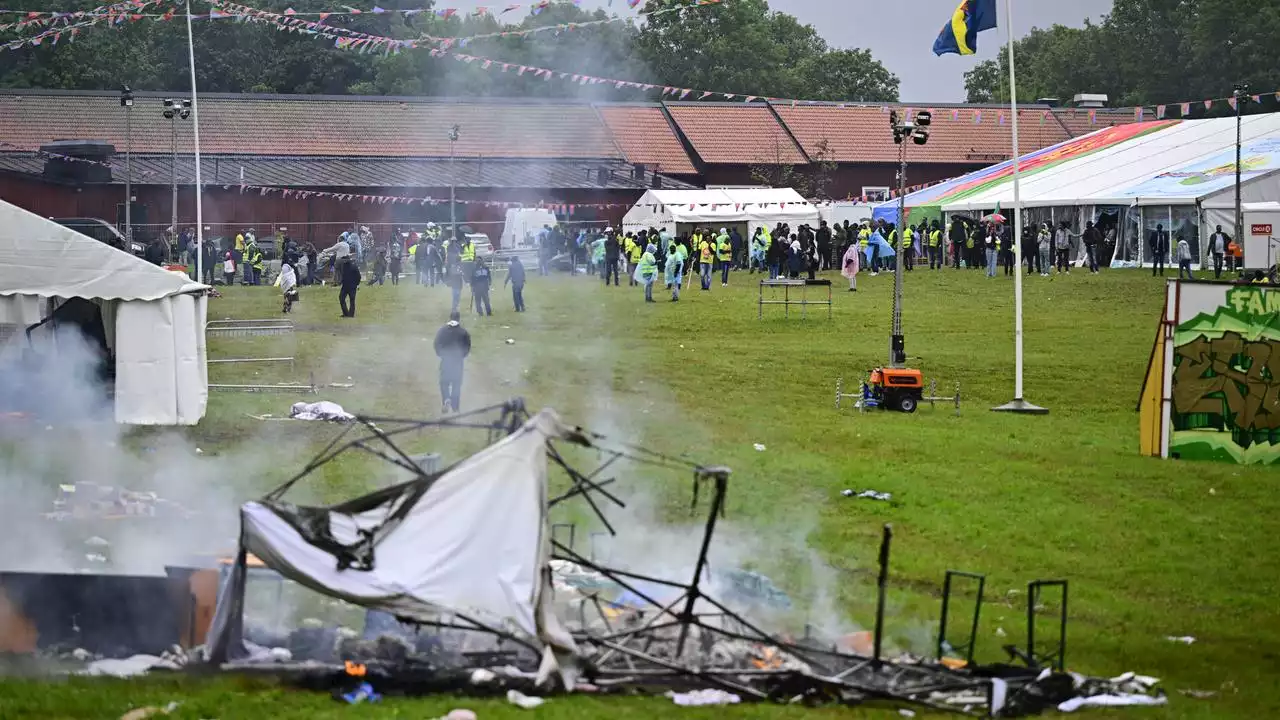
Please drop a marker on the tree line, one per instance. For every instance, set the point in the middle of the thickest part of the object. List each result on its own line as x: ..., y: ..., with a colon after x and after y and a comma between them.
x: 1146, y: 52
x: 738, y: 47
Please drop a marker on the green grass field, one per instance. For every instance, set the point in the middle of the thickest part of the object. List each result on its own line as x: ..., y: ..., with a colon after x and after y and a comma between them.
x: 1151, y: 549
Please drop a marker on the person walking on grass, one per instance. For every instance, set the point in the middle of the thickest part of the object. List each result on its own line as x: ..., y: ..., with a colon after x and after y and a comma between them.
x: 1218, y: 243
x: 674, y: 270
x: 992, y: 247
x: 480, y: 281
x: 1159, y: 243
x: 1062, y: 244
x: 515, y: 276
x: 724, y: 255
x: 1044, y: 245
x: 647, y: 271
x: 288, y: 286
x: 850, y: 265
x: 1092, y: 245
x: 1184, y: 258
x: 349, y: 279
x: 452, y: 346
x: 453, y: 278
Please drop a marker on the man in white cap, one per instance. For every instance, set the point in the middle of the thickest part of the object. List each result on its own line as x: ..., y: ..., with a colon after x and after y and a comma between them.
x: 612, y: 253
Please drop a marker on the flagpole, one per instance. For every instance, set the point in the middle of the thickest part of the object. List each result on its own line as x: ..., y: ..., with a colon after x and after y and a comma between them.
x: 195, y: 116
x: 1018, y: 404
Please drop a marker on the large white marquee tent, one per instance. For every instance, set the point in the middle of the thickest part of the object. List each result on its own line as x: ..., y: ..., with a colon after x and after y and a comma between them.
x: 153, y: 320
x: 1132, y: 178
x: 748, y: 208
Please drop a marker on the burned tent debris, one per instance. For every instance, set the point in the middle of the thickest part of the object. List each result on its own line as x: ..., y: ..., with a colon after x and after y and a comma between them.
x: 469, y: 552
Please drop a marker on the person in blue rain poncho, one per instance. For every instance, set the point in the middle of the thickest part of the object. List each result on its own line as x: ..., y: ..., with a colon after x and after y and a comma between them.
x: 676, y: 255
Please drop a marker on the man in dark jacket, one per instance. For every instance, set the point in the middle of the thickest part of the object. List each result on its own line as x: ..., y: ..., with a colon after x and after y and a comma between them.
x: 1159, y: 249
x: 612, y: 251
x: 349, y: 277
x: 1092, y: 245
x: 824, y: 245
x: 480, y: 279
x: 958, y: 235
x: 515, y: 276
x: 452, y: 345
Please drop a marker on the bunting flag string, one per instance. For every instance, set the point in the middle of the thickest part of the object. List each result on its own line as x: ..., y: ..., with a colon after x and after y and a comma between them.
x: 87, y: 161
x: 48, y: 19
x: 70, y: 24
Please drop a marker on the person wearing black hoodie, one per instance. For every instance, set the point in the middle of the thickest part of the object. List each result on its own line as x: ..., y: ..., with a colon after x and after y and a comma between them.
x: 480, y: 281
x: 452, y: 345
x: 515, y: 276
x: 349, y: 275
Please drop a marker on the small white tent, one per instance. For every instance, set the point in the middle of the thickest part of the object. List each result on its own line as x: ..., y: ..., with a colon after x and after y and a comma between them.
x: 749, y: 208
x: 153, y: 319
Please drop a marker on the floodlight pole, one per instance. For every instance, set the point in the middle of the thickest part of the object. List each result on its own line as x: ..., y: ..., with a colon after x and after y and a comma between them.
x: 126, y: 102
x: 195, y: 118
x: 897, y: 344
x: 453, y: 185
x: 1018, y: 404
x: 1240, y: 92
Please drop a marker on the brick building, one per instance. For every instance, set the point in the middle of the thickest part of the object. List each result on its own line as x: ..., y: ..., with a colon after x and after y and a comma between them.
x: 575, y: 155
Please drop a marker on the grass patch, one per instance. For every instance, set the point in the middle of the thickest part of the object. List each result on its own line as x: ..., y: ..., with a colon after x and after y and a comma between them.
x: 1148, y: 550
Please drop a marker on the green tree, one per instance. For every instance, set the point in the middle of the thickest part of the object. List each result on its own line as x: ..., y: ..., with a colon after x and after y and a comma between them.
x: 1145, y: 52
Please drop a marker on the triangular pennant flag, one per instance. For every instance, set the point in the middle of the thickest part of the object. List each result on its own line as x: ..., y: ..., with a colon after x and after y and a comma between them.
x: 1159, y: 112
x: 1185, y: 109
x: 1137, y: 114
x: 1093, y: 117
x: 1233, y: 103
x: 1208, y: 104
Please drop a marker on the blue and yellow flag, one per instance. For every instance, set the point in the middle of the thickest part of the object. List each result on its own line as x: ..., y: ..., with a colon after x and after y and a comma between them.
x: 960, y: 34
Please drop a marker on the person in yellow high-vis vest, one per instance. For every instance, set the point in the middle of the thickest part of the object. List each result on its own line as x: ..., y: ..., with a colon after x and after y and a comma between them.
x: 724, y: 254
x: 936, y: 260
x: 634, y: 250
x: 706, y: 261
x: 908, y: 249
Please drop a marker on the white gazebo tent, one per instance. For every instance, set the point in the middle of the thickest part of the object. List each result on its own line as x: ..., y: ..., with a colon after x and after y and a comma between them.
x: 153, y: 319
x: 748, y: 208
x: 1166, y: 177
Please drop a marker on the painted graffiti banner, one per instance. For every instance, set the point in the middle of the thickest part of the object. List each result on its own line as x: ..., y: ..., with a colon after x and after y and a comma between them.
x: 1220, y: 351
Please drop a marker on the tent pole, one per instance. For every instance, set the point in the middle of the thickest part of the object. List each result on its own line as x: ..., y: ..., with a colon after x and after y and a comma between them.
x: 1018, y: 405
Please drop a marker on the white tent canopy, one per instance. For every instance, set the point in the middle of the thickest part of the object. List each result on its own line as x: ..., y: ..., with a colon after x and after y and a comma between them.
x: 680, y: 210
x: 153, y: 319
x: 1178, y: 165
x: 473, y: 542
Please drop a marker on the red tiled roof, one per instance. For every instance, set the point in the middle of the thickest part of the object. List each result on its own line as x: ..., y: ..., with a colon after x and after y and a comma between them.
x: 308, y: 125
x: 736, y: 134
x: 646, y: 136
x: 974, y: 136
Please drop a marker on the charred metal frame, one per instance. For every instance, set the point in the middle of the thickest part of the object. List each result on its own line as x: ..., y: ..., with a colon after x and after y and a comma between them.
x: 694, y: 621
x: 1053, y: 657
x: 947, y: 591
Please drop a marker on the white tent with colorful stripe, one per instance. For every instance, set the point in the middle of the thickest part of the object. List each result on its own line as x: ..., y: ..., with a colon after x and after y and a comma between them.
x: 1128, y: 179
x: 683, y: 210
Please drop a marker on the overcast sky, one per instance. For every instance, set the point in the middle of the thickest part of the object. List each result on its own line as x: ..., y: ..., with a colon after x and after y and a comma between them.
x: 900, y: 33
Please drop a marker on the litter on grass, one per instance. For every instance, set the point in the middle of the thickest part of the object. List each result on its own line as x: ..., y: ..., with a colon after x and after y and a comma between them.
x: 1184, y: 639
x: 703, y: 698
x: 869, y: 495
x: 322, y: 410
x: 520, y: 700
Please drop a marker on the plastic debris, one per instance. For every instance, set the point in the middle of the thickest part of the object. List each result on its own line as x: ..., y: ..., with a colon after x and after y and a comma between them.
x: 758, y: 447
x: 150, y: 711
x: 704, y: 698
x: 460, y: 714
x: 1110, y: 701
x: 520, y: 700
x: 480, y: 676
x: 906, y: 713
x: 1200, y: 694
x: 363, y: 693
x: 322, y: 410
x: 869, y: 495
x: 127, y: 667
x: 511, y: 341
x: 1184, y: 639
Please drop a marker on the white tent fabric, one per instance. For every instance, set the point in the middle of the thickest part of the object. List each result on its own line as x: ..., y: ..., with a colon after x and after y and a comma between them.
x: 154, y: 318
x: 476, y: 545
x: 754, y: 207
x: 1177, y: 165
